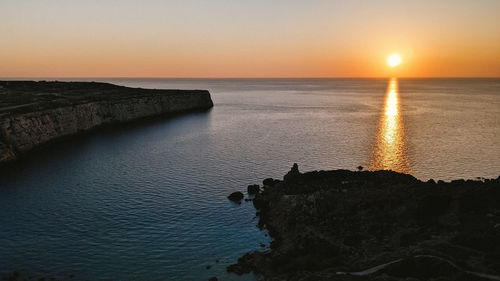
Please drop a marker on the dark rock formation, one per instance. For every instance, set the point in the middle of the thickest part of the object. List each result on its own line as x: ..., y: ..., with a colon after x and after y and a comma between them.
x: 383, y: 225
x: 294, y: 172
x: 235, y: 196
x: 269, y: 182
x: 34, y: 113
x: 253, y: 189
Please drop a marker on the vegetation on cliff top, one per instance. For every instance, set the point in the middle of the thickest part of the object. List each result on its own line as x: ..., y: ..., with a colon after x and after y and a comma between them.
x: 18, y: 97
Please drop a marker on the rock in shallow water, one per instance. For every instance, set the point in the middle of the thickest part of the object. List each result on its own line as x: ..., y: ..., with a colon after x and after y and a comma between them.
x: 235, y: 196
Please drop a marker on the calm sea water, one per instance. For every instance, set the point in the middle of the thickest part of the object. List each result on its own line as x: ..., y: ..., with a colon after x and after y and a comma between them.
x: 148, y: 201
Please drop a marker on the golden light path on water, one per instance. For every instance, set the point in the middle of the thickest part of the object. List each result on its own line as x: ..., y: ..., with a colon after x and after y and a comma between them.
x: 390, y: 148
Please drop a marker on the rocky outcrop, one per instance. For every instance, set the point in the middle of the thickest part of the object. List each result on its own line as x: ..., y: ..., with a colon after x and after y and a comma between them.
x: 253, y: 189
x: 34, y: 113
x: 235, y: 196
x: 382, y: 225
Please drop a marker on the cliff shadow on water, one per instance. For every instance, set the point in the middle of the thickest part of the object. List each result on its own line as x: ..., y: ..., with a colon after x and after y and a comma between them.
x: 68, y: 145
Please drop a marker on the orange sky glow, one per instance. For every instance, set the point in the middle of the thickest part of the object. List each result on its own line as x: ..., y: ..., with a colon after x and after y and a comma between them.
x: 222, y: 38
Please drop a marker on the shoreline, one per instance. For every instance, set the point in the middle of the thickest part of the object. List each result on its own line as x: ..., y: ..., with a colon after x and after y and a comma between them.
x: 34, y: 114
x: 376, y: 225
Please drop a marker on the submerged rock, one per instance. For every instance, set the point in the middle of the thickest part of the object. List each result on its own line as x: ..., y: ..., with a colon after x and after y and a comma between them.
x: 382, y: 225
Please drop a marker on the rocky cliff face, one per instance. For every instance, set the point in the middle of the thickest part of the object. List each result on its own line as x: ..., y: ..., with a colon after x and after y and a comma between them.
x: 382, y: 225
x: 23, y: 127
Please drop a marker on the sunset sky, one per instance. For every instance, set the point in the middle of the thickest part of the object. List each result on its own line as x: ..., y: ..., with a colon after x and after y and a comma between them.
x: 248, y: 38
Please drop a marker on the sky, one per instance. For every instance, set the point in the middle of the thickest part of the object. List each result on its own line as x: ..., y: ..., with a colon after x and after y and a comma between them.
x: 249, y: 38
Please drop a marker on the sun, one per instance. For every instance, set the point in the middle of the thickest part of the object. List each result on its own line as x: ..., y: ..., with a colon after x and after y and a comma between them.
x: 394, y: 60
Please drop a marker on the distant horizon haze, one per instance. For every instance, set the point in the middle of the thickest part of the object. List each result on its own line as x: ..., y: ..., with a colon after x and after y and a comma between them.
x: 249, y: 78
x: 249, y: 39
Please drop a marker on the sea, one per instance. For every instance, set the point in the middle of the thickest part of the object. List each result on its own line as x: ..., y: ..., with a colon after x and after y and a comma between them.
x: 147, y: 201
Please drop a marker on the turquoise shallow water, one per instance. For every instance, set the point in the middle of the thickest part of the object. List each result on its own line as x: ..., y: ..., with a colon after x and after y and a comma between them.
x: 148, y: 201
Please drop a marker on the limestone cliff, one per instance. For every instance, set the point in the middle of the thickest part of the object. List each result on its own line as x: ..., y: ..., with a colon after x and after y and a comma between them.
x: 34, y: 113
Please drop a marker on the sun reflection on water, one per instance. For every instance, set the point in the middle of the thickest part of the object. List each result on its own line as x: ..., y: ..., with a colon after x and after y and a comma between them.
x: 390, y: 149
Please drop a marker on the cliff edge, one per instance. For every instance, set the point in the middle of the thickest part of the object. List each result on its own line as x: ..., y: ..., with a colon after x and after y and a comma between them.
x: 33, y: 113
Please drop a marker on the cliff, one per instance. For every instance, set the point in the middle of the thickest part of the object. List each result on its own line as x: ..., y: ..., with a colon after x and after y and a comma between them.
x: 33, y: 113
x: 382, y: 225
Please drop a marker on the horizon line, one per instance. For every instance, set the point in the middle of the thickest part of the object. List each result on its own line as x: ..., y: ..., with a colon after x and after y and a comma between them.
x: 235, y: 78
